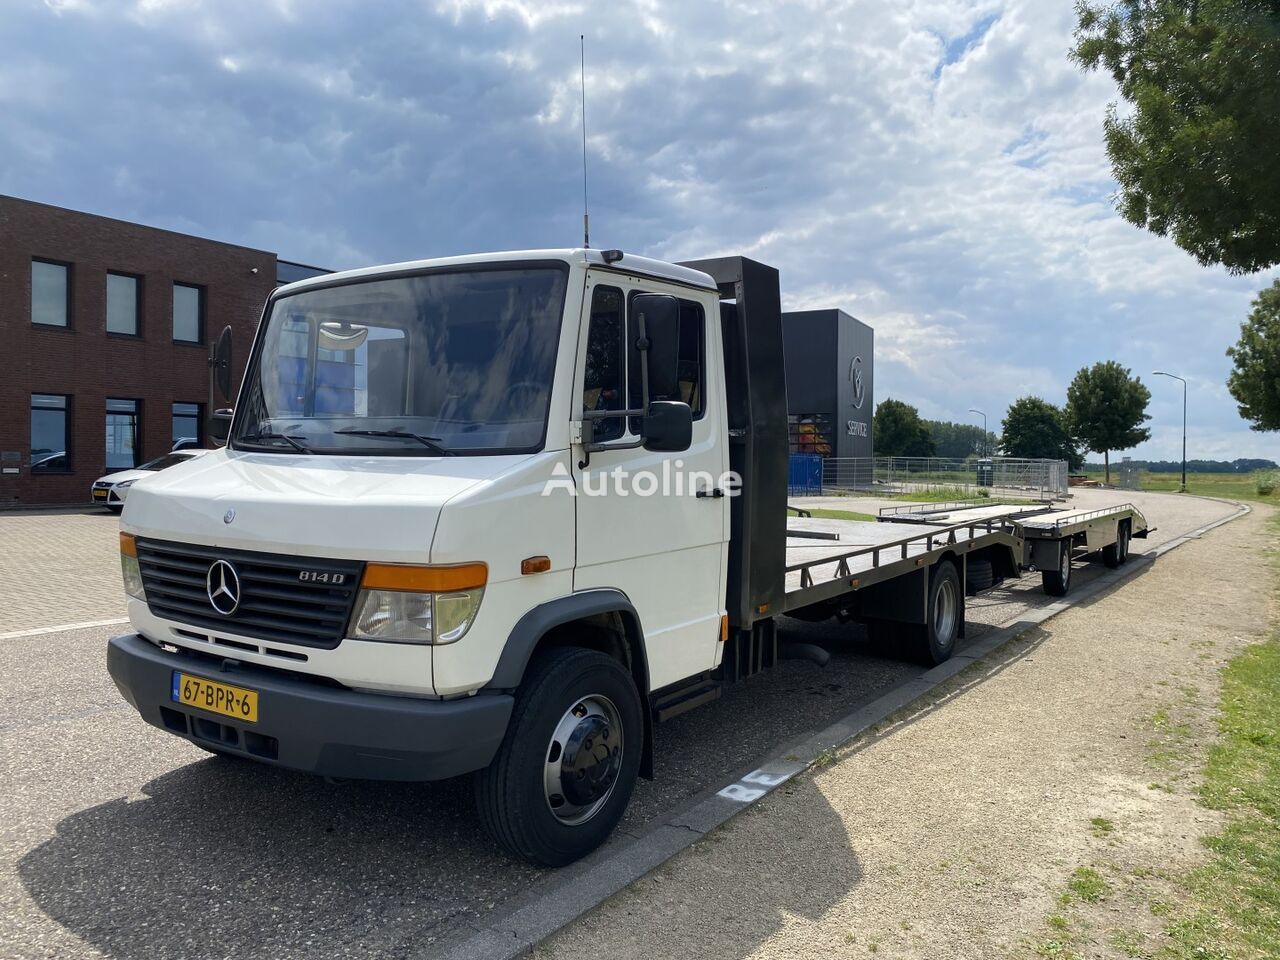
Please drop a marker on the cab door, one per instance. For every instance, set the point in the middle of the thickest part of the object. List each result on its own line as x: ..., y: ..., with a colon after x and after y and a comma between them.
x: 651, y: 524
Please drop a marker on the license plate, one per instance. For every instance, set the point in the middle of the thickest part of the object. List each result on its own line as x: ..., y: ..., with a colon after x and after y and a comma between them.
x: 235, y: 702
x: 99, y: 494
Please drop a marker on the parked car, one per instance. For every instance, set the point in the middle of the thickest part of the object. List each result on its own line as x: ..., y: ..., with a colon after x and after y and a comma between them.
x: 111, y: 490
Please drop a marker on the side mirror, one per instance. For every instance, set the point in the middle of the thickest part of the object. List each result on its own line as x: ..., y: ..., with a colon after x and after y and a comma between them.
x: 220, y: 365
x: 219, y: 425
x: 668, y: 427
x: 661, y: 325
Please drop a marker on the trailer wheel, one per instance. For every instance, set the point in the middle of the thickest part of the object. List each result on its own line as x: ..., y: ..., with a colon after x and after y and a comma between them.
x: 1056, y: 583
x: 980, y: 575
x: 565, y: 770
x: 936, y: 640
x: 1114, y: 554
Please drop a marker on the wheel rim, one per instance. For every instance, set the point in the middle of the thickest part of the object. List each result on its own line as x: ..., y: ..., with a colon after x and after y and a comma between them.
x: 1066, y: 567
x: 945, y: 613
x: 583, y: 759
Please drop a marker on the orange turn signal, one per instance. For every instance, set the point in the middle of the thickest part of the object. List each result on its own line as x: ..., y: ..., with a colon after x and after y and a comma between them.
x: 535, y: 565
x: 724, y: 627
x: 416, y: 579
x: 128, y: 545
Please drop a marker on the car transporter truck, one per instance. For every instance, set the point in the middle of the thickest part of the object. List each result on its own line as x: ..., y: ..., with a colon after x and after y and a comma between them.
x: 426, y: 549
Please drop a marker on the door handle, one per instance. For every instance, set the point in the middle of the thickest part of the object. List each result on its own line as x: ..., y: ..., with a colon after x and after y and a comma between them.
x: 715, y: 493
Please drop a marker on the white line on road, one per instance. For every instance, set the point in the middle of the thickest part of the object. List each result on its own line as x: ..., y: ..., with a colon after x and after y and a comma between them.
x: 60, y: 628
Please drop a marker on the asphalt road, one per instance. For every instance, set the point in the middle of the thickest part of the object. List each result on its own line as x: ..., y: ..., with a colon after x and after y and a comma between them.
x: 120, y: 841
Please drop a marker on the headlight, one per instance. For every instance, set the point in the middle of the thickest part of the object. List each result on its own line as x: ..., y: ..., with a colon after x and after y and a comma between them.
x: 129, y: 567
x: 411, y: 604
x: 126, y: 483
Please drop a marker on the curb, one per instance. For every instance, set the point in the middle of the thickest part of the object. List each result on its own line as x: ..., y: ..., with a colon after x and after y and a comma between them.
x: 580, y: 888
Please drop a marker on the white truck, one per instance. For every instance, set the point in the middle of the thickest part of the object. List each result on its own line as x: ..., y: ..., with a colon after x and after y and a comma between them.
x: 498, y: 515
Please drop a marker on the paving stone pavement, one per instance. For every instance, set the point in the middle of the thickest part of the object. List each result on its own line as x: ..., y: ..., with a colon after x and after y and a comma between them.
x: 58, y: 567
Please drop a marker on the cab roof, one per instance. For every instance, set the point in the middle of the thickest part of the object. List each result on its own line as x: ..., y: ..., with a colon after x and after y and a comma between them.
x: 625, y: 263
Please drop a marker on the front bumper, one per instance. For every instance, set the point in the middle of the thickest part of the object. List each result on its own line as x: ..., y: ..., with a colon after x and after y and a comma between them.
x: 318, y: 729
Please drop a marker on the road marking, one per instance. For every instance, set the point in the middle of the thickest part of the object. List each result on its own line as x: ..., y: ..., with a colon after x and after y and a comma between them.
x: 18, y: 634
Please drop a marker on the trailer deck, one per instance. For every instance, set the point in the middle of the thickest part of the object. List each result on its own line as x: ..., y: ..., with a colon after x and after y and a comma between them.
x: 826, y: 558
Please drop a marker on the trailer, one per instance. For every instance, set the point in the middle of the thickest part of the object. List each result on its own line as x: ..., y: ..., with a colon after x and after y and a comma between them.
x: 1051, y: 537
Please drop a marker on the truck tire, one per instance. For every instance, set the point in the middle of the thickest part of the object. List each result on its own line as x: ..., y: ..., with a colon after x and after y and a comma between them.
x: 936, y: 639
x: 1056, y: 583
x: 979, y: 575
x: 565, y: 770
x: 1114, y: 554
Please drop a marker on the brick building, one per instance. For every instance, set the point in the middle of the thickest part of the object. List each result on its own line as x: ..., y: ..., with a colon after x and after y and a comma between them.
x: 105, y: 329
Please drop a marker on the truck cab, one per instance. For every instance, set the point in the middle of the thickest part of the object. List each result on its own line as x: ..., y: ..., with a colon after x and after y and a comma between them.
x: 473, y: 516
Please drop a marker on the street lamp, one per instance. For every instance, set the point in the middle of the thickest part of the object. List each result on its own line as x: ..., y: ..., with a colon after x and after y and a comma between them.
x: 984, y: 427
x: 1161, y: 373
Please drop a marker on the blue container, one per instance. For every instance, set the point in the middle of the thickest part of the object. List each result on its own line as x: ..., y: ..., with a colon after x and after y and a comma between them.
x: 804, y: 475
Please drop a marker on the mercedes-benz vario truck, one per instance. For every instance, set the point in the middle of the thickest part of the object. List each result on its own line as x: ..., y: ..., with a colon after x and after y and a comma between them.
x: 498, y: 515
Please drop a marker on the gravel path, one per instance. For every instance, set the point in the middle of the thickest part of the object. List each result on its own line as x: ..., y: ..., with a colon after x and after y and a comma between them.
x: 951, y: 832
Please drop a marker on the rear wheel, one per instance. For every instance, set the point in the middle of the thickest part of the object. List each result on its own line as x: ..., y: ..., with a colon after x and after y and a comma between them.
x: 936, y: 640
x: 1117, y: 553
x: 565, y: 770
x: 1056, y: 583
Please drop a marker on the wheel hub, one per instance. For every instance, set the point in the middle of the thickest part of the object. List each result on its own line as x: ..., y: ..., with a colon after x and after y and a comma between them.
x: 583, y: 759
x: 591, y: 760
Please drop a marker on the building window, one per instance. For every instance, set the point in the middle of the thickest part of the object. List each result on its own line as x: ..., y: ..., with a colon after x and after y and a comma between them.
x: 188, y: 313
x: 49, y: 452
x: 122, y: 434
x: 122, y: 304
x: 50, y: 293
x: 186, y: 425
x: 811, y: 433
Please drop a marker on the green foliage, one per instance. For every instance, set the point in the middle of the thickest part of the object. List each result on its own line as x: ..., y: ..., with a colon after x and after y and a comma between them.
x: 1036, y: 428
x: 899, y: 431
x: 1106, y: 410
x: 1197, y: 156
x: 1264, y: 483
x: 959, y: 440
x: 1255, y: 381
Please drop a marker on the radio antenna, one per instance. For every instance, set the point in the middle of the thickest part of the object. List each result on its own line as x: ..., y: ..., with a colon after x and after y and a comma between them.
x: 582, y: 77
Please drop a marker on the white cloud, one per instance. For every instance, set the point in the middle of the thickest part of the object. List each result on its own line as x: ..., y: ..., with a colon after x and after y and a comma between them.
x: 935, y: 167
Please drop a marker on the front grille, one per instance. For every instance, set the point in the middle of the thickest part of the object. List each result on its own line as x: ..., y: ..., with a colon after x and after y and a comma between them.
x: 275, y: 604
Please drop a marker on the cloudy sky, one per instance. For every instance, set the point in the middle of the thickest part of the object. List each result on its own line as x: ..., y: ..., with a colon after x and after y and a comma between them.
x: 933, y: 167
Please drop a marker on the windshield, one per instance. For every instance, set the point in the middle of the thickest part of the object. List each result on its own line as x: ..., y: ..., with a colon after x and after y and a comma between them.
x: 436, y: 364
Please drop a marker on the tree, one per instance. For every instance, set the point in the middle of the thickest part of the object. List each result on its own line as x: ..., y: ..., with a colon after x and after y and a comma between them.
x: 1255, y: 382
x: 899, y: 431
x: 1197, y: 157
x: 959, y: 440
x: 1106, y: 410
x: 1036, y: 428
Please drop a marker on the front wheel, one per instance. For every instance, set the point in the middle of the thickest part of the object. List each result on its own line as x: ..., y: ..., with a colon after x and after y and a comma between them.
x: 565, y: 770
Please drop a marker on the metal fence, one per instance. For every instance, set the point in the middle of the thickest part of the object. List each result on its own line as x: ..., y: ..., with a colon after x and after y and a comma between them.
x: 999, y: 476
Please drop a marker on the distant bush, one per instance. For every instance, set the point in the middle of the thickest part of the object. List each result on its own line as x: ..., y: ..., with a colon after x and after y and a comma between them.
x: 1264, y: 482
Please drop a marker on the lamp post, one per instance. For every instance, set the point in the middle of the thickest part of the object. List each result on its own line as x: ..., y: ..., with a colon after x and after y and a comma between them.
x: 984, y: 427
x: 1161, y: 373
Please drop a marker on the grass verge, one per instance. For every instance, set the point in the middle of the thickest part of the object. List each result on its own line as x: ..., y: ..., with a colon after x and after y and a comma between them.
x: 839, y: 515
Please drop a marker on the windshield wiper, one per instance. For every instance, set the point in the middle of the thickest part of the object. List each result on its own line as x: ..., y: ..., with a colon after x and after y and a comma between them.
x: 428, y: 442
x: 295, y: 442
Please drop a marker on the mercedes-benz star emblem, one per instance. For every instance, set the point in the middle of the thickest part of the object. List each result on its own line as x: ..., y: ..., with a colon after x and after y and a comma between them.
x: 229, y: 516
x: 855, y: 375
x: 222, y: 584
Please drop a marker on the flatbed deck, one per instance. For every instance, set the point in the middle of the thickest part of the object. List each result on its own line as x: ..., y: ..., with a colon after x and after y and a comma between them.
x: 827, y: 558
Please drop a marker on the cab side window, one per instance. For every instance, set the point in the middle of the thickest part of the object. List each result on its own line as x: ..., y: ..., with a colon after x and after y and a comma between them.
x: 605, y: 361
